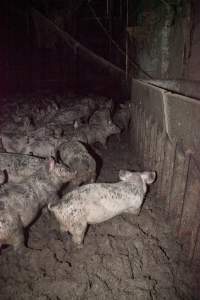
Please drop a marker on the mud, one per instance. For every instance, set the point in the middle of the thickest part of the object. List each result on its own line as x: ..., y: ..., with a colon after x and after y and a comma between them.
x: 128, y: 257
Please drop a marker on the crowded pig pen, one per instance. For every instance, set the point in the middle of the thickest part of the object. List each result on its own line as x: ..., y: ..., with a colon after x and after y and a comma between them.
x: 79, y: 216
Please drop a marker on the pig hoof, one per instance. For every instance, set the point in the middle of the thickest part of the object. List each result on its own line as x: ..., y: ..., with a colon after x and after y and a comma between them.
x: 79, y: 246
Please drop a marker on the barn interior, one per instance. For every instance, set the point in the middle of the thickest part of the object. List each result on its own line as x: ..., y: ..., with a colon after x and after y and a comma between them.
x: 100, y: 86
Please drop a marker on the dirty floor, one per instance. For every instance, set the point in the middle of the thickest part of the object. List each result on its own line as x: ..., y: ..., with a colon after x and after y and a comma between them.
x: 128, y: 257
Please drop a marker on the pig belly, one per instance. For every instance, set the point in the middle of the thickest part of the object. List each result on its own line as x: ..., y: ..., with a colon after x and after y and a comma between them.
x: 102, y: 209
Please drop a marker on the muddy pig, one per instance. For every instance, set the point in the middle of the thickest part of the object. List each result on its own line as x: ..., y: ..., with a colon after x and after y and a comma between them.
x: 122, y: 116
x: 14, y: 143
x: 103, y: 102
x: 75, y: 155
x: 20, y: 203
x: 70, y: 114
x: 98, y: 132
x: 100, y: 116
x: 42, y: 147
x: 18, y: 166
x: 98, y: 202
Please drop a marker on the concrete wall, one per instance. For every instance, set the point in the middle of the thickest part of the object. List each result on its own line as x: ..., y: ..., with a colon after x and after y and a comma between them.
x: 177, y: 114
x: 161, y: 36
x: 193, y: 67
x: 165, y: 137
x: 167, y: 42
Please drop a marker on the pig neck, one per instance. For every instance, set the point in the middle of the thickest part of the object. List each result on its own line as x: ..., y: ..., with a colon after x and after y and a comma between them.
x: 44, y: 185
x: 134, y: 188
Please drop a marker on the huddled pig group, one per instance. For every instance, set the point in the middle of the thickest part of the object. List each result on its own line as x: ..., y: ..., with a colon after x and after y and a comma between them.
x: 45, y: 161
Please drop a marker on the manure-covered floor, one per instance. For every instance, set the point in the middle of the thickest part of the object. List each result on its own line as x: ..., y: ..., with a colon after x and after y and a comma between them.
x: 128, y: 257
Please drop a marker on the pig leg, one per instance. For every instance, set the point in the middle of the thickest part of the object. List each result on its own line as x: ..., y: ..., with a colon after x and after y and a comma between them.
x: 17, y: 240
x: 133, y: 210
x: 78, y: 232
x: 64, y: 234
x: 70, y: 186
x: 63, y: 228
x: 103, y: 142
x: 92, y: 178
x: 12, y: 230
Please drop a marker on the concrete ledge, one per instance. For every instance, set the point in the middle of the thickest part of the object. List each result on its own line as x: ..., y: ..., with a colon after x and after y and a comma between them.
x: 184, y: 120
x: 178, y: 115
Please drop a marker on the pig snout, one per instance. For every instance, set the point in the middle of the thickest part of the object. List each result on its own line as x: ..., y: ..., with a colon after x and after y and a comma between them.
x: 148, y: 177
x: 113, y: 129
x: 61, y: 170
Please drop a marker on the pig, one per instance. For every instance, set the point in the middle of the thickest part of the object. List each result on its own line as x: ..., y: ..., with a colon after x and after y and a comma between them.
x: 103, y: 102
x: 70, y: 114
x: 45, y: 131
x: 122, y: 116
x: 89, y: 102
x: 25, y: 145
x: 100, y: 116
x: 48, y: 112
x: 97, y: 202
x: 14, y: 142
x: 23, y: 127
x: 42, y: 147
x: 16, y: 167
x: 70, y: 132
x: 75, y: 155
x: 93, y: 133
x: 20, y: 203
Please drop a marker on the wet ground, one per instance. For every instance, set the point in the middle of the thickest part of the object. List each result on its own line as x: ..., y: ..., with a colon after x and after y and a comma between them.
x: 128, y: 257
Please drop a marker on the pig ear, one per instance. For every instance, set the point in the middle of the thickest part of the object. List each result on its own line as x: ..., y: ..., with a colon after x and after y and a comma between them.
x: 76, y: 124
x: 148, y: 177
x: 124, y: 175
x: 51, y: 164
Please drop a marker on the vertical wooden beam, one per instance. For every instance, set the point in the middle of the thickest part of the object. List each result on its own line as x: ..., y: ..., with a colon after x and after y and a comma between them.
x: 167, y: 171
x: 179, y: 180
x: 189, y: 227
